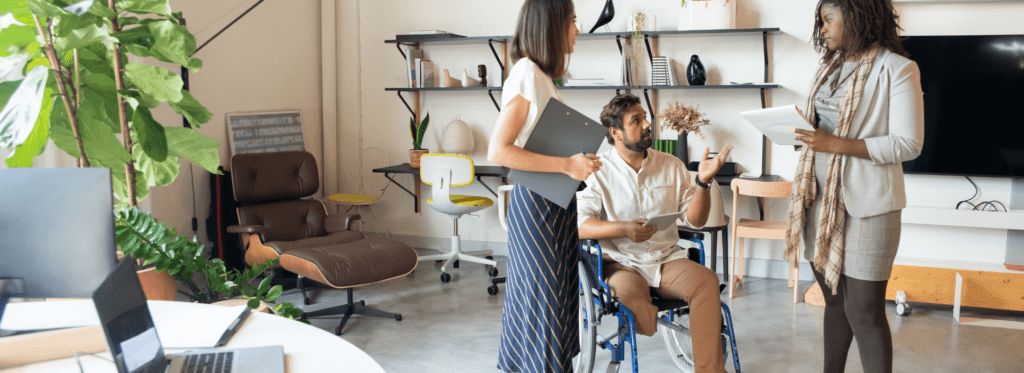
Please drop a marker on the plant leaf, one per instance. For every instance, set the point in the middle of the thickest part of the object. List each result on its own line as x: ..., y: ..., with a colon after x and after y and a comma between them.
x: 159, y: 83
x: 19, y: 114
x: 150, y: 133
x: 196, y: 113
x: 264, y: 285
x: 174, y: 44
x: 160, y: 7
x: 80, y: 38
x: 135, y: 36
x: 16, y: 36
x: 155, y: 173
x: 202, y: 151
x: 274, y: 292
x: 43, y: 8
x: 36, y: 141
x: 101, y: 145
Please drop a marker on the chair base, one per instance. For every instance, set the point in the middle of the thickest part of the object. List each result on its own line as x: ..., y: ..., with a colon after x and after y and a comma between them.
x: 347, y: 310
x: 456, y: 254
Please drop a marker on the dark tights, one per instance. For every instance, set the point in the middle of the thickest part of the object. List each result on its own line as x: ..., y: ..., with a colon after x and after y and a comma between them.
x: 857, y: 309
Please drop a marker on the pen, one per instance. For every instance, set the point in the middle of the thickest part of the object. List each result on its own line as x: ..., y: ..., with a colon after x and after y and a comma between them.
x: 233, y: 328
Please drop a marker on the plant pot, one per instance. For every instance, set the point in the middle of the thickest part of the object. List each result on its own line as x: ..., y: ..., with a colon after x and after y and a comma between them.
x: 158, y: 285
x: 414, y: 157
x: 707, y: 15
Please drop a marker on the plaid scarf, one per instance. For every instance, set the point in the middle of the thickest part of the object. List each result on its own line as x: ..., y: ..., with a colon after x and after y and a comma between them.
x: 831, y: 235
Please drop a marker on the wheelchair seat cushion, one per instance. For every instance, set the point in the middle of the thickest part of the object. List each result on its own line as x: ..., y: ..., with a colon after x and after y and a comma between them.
x: 665, y: 304
x: 359, y: 262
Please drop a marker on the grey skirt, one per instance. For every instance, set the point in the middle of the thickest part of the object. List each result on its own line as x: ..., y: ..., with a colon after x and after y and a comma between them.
x: 871, y: 243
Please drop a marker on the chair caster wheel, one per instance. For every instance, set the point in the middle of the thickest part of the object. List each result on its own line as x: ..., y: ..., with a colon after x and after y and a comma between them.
x: 455, y: 264
x: 493, y: 272
x: 446, y: 277
x: 398, y: 317
x: 306, y: 301
x: 492, y: 290
x: 903, y: 309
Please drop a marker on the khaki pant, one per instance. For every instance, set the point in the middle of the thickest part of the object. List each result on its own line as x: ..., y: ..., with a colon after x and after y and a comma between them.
x: 680, y: 279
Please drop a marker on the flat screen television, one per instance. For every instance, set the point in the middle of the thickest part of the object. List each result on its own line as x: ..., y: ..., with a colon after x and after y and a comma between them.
x: 973, y: 104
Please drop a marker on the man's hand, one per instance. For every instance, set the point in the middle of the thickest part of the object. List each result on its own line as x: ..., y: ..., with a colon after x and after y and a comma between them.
x: 709, y: 167
x: 637, y: 232
x: 819, y: 140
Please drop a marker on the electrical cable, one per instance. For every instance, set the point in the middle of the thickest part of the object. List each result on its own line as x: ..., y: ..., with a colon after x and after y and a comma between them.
x: 980, y: 206
x: 78, y: 359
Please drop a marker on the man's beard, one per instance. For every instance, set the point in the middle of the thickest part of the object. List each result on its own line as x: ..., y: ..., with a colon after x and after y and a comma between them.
x: 645, y: 142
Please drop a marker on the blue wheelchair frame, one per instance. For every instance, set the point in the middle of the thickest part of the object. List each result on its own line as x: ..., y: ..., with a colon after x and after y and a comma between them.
x: 605, y: 305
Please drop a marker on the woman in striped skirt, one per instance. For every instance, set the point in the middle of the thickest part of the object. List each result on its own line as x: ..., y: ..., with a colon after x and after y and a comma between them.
x: 539, y: 324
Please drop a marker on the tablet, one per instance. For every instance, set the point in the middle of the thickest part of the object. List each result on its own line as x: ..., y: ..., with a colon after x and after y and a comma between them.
x: 663, y: 222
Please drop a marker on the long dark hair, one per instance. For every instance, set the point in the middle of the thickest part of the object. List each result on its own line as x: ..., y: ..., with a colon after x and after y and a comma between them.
x: 866, y: 24
x: 542, y: 33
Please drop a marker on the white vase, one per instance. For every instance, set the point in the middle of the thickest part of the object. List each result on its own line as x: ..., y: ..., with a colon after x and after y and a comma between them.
x: 467, y: 81
x: 707, y: 15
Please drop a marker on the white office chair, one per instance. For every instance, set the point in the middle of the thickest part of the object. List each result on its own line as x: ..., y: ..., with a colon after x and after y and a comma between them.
x: 443, y: 172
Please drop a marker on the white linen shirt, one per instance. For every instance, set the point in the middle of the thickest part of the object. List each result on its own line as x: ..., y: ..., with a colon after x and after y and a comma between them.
x: 617, y: 193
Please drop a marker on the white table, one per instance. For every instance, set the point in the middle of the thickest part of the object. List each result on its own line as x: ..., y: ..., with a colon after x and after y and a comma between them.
x: 306, y: 348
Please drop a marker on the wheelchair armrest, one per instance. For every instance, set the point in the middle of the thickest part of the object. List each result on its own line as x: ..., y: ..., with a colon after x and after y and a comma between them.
x: 686, y: 234
x: 250, y: 229
x: 588, y: 242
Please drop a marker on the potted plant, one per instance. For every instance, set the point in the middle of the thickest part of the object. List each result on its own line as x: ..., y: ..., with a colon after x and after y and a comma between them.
x: 707, y: 14
x: 69, y: 83
x: 683, y: 119
x: 417, y: 140
x: 206, y: 280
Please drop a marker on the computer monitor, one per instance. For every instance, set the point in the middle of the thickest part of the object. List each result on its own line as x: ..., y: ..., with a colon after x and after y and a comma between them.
x: 56, y: 230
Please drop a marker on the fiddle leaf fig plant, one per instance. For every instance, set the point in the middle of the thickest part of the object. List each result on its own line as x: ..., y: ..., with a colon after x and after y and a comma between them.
x: 207, y: 280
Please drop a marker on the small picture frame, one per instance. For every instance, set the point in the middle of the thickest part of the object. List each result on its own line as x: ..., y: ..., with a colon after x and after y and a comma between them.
x: 265, y: 132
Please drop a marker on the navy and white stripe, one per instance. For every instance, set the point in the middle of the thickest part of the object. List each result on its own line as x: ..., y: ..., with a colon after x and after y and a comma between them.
x: 540, y: 329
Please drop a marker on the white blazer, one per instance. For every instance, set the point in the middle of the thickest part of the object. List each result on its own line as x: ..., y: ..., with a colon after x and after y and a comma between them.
x: 890, y: 120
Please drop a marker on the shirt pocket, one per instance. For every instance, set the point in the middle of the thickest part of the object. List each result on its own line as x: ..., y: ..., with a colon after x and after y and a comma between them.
x: 661, y: 199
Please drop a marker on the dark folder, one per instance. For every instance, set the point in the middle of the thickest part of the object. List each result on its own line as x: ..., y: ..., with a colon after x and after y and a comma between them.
x: 560, y: 132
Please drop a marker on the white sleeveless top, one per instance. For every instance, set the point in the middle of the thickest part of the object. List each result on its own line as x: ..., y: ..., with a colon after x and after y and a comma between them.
x: 528, y: 80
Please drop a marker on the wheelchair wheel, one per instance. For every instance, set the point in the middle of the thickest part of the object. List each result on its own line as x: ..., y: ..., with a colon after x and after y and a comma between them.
x: 680, y: 345
x: 588, y: 323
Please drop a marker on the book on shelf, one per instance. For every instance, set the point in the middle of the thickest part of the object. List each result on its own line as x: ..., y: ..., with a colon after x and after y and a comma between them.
x: 426, y: 74
x: 411, y: 56
x: 661, y: 71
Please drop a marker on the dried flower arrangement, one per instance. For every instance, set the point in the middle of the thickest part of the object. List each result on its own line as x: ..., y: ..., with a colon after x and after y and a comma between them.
x: 683, y: 118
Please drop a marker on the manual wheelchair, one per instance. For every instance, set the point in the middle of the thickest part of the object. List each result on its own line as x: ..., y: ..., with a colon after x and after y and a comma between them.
x: 673, y: 316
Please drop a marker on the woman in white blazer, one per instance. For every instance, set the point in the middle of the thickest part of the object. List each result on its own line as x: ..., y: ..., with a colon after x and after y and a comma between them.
x: 867, y: 107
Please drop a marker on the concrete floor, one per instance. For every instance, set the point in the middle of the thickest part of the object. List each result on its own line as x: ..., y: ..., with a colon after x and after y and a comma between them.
x: 455, y: 327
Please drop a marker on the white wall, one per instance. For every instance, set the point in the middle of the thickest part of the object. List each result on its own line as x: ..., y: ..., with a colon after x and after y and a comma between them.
x: 728, y: 58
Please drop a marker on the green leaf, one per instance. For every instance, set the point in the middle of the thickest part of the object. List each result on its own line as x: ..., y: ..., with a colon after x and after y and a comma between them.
x: 274, y: 293
x: 80, y: 38
x: 38, y: 61
x: 19, y: 114
x: 100, y: 8
x: 196, y: 147
x: 196, y: 113
x: 174, y: 44
x: 264, y: 285
x: 160, y: 7
x: 155, y: 173
x: 80, y: 8
x: 253, y: 303
x: 101, y: 145
x: 36, y: 141
x: 139, y: 36
x: 43, y: 8
x: 7, y: 90
x: 17, y: 36
x: 159, y: 83
x: 150, y: 133
x: 13, y: 6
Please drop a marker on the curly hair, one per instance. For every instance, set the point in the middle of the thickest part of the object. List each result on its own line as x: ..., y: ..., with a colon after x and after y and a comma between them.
x: 867, y: 23
x: 615, y: 111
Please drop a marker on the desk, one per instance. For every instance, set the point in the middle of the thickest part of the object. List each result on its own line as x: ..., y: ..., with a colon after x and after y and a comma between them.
x: 404, y: 168
x: 306, y: 348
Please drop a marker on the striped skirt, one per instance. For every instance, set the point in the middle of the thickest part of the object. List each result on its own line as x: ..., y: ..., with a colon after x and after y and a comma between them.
x: 539, y: 327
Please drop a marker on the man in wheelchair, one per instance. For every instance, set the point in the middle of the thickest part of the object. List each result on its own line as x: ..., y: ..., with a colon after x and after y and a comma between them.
x: 636, y: 183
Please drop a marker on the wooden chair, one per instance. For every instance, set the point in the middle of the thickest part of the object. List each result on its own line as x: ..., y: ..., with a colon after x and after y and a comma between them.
x: 749, y: 228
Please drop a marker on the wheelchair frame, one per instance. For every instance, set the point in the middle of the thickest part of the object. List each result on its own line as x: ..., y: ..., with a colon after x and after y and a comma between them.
x: 604, y: 304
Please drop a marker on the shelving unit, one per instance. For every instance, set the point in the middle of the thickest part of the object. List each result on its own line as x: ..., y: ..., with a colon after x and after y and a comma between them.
x: 651, y: 42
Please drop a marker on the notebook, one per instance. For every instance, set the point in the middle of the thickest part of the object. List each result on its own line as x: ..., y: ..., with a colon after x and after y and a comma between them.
x: 135, y: 346
x: 561, y: 131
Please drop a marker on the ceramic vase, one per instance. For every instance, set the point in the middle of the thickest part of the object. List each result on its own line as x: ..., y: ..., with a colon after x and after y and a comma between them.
x: 695, y: 73
x: 450, y: 82
x: 467, y: 81
x: 457, y: 138
x: 414, y: 157
x: 707, y: 15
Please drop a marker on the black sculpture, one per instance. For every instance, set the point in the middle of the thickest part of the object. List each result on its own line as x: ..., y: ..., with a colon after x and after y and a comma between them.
x: 606, y: 16
x: 695, y: 74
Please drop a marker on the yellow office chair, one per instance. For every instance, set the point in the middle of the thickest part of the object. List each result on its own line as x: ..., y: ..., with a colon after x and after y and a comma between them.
x: 443, y: 172
x: 372, y: 189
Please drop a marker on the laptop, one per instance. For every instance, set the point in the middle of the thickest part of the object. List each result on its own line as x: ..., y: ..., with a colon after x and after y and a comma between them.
x: 561, y: 131
x: 135, y: 346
